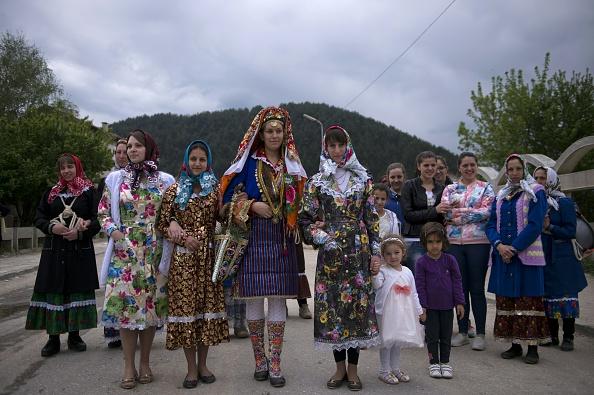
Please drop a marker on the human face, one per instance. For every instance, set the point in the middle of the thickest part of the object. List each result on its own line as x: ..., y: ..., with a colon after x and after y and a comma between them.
x: 198, y: 161
x: 68, y: 171
x: 540, y: 176
x: 121, y: 156
x: 441, y: 171
x: 427, y: 168
x: 379, y: 198
x: 393, y: 255
x: 273, y: 135
x: 336, y: 150
x: 396, y: 179
x: 515, y: 170
x: 434, y: 246
x: 136, y: 151
x: 468, y: 168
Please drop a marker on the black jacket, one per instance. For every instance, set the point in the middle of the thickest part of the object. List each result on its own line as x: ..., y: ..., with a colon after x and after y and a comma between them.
x: 414, y: 205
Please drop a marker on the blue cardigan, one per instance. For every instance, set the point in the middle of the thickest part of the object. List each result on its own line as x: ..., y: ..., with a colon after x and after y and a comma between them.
x: 564, y: 275
x: 248, y: 177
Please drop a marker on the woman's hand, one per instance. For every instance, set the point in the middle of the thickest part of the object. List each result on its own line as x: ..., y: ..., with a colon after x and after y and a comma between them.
x: 71, y: 235
x: 261, y: 209
x: 442, y: 208
x: 460, y: 311
x: 506, y: 252
x: 375, y: 265
x: 319, y: 224
x: 59, y: 229
x: 192, y: 243
x: 83, y: 225
x: 546, y: 223
x: 175, y: 232
x: 116, y: 235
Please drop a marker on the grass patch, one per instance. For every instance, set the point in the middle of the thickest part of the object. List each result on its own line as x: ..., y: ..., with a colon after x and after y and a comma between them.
x: 588, y: 264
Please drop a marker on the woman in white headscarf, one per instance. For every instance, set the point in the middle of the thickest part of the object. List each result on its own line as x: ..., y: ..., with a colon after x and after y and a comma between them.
x: 563, y: 275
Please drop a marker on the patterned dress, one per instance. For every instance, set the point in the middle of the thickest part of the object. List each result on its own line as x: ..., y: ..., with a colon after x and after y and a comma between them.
x: 135, y: 297
x: 196, y: 304
x: 344, y: 312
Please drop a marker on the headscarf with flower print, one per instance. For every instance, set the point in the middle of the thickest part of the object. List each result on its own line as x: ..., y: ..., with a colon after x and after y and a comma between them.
x: 186, y: 181
x: 150, y: 163
x: 552, y: 186
x: 510, y: 188
x: 349, y: 160
x: 76, y: 186
x: 295, y: 183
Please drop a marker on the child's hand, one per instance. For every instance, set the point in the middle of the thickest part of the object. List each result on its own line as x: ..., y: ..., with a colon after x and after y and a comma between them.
x: 423, y: 317
x: 375, y: 265
x: 460, y: 311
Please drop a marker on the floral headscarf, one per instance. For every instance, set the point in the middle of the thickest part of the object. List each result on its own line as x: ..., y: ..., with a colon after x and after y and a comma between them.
x: 349, y: 160
x: 295, y: 173
x: 148, y: 166
x: 525, y: 183
x: 76, y: 186
x: 186, y: 181
x: 552, y: 186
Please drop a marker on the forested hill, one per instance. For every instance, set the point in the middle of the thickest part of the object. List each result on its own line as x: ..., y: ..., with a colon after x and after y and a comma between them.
x: 375, y: 143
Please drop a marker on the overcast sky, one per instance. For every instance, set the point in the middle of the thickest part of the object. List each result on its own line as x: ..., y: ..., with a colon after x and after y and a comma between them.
x: 119, y: 59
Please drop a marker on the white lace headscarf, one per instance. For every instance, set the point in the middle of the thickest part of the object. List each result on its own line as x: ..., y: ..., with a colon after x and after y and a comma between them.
x: 552, y: 186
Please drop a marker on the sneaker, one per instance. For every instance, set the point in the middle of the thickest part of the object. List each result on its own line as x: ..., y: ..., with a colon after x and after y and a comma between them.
x: 241, y: 332
x: 304, y: 312
x: 471, y: 331
x: 478, y: 343
x: 460, y: 339
x: 435, y: 371
x: 446, y: 371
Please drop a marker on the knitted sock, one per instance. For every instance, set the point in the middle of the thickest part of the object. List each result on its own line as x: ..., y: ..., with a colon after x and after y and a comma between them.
x: 256, y: 329
x: 276, y: 333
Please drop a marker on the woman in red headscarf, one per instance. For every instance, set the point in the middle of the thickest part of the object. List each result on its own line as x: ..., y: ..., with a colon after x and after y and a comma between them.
x: 64, y: 293
x: 268, y: 166
x: 135, y: 299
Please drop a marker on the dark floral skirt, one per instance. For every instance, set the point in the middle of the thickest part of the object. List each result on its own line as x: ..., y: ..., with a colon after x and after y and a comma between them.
x: 521, y: 319
x: 58, y: 313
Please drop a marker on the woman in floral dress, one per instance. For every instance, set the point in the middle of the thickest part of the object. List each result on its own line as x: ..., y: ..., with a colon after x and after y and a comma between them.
x: 341, y: 195
x: 135, y: 302
x: 267, y: 165
x: 196, y: 314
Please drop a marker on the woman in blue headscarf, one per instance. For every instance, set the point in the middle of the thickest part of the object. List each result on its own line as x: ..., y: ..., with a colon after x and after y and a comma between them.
x: 196, y: 318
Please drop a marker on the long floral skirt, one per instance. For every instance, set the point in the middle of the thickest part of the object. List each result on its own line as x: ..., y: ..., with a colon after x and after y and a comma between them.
x: 61, y: 313
x: 521, y: 319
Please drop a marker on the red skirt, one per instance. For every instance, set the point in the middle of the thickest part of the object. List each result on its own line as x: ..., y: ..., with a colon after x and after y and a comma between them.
x: 521, y: 319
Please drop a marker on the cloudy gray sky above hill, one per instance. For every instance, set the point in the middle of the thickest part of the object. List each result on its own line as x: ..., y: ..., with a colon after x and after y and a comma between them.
x: 119, y: 59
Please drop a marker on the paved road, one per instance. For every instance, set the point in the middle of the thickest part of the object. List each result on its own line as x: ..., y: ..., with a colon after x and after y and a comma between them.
x: 97, y: 371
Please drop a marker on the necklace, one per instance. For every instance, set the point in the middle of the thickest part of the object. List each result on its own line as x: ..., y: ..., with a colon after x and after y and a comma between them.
x: 276, y: 208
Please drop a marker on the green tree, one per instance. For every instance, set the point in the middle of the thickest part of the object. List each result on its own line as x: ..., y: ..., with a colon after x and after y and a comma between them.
x: 31, y: 145
x: 544, y: 115
x: 25, y: 79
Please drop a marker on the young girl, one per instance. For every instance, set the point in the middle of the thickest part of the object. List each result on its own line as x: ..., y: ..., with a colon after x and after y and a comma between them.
x: 397, y: 309
x: 389, y: 223
x: 439, y: 285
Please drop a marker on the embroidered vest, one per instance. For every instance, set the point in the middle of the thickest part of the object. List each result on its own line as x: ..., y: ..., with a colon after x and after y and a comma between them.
x: 533, y: 255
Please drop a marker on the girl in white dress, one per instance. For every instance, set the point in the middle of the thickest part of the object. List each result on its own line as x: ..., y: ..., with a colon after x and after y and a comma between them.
x: 397, y: 308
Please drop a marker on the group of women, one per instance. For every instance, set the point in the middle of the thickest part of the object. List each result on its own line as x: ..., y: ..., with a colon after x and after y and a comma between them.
x: 159, y: 261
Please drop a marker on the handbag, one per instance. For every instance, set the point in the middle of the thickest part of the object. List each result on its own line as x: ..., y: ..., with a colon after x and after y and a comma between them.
x: 584, y: 236
x: 231, y: 238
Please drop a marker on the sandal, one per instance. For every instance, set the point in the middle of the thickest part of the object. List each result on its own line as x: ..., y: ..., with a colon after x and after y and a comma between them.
x: 355, y: 385
x: 128, y: 384
x: 146, y: 378
x: 401, y: 376
x: 388, y: 378
x: 336, y: 383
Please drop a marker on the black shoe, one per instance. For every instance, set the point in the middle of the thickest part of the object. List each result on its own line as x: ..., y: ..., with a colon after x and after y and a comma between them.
x: 514, y: 351
x: 207, y: 379
x: 75, y: 343
x: 190, y: 383
x: 52, y: 347
x: 567, y: 345
x: 261, y: 376
x: 114, y: 344
x: 532, y: 355
x: 277, y: 382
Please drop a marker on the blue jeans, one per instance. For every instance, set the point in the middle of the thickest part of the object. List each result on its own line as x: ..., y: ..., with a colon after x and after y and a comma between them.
x: 414, y: 252
x: 473, y: 261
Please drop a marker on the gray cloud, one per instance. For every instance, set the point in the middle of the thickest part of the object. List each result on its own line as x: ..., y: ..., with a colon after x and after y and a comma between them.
x: 118, y: 59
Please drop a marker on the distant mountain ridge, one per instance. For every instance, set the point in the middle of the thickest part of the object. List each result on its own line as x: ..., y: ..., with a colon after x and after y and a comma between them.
x: 376, y: 144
